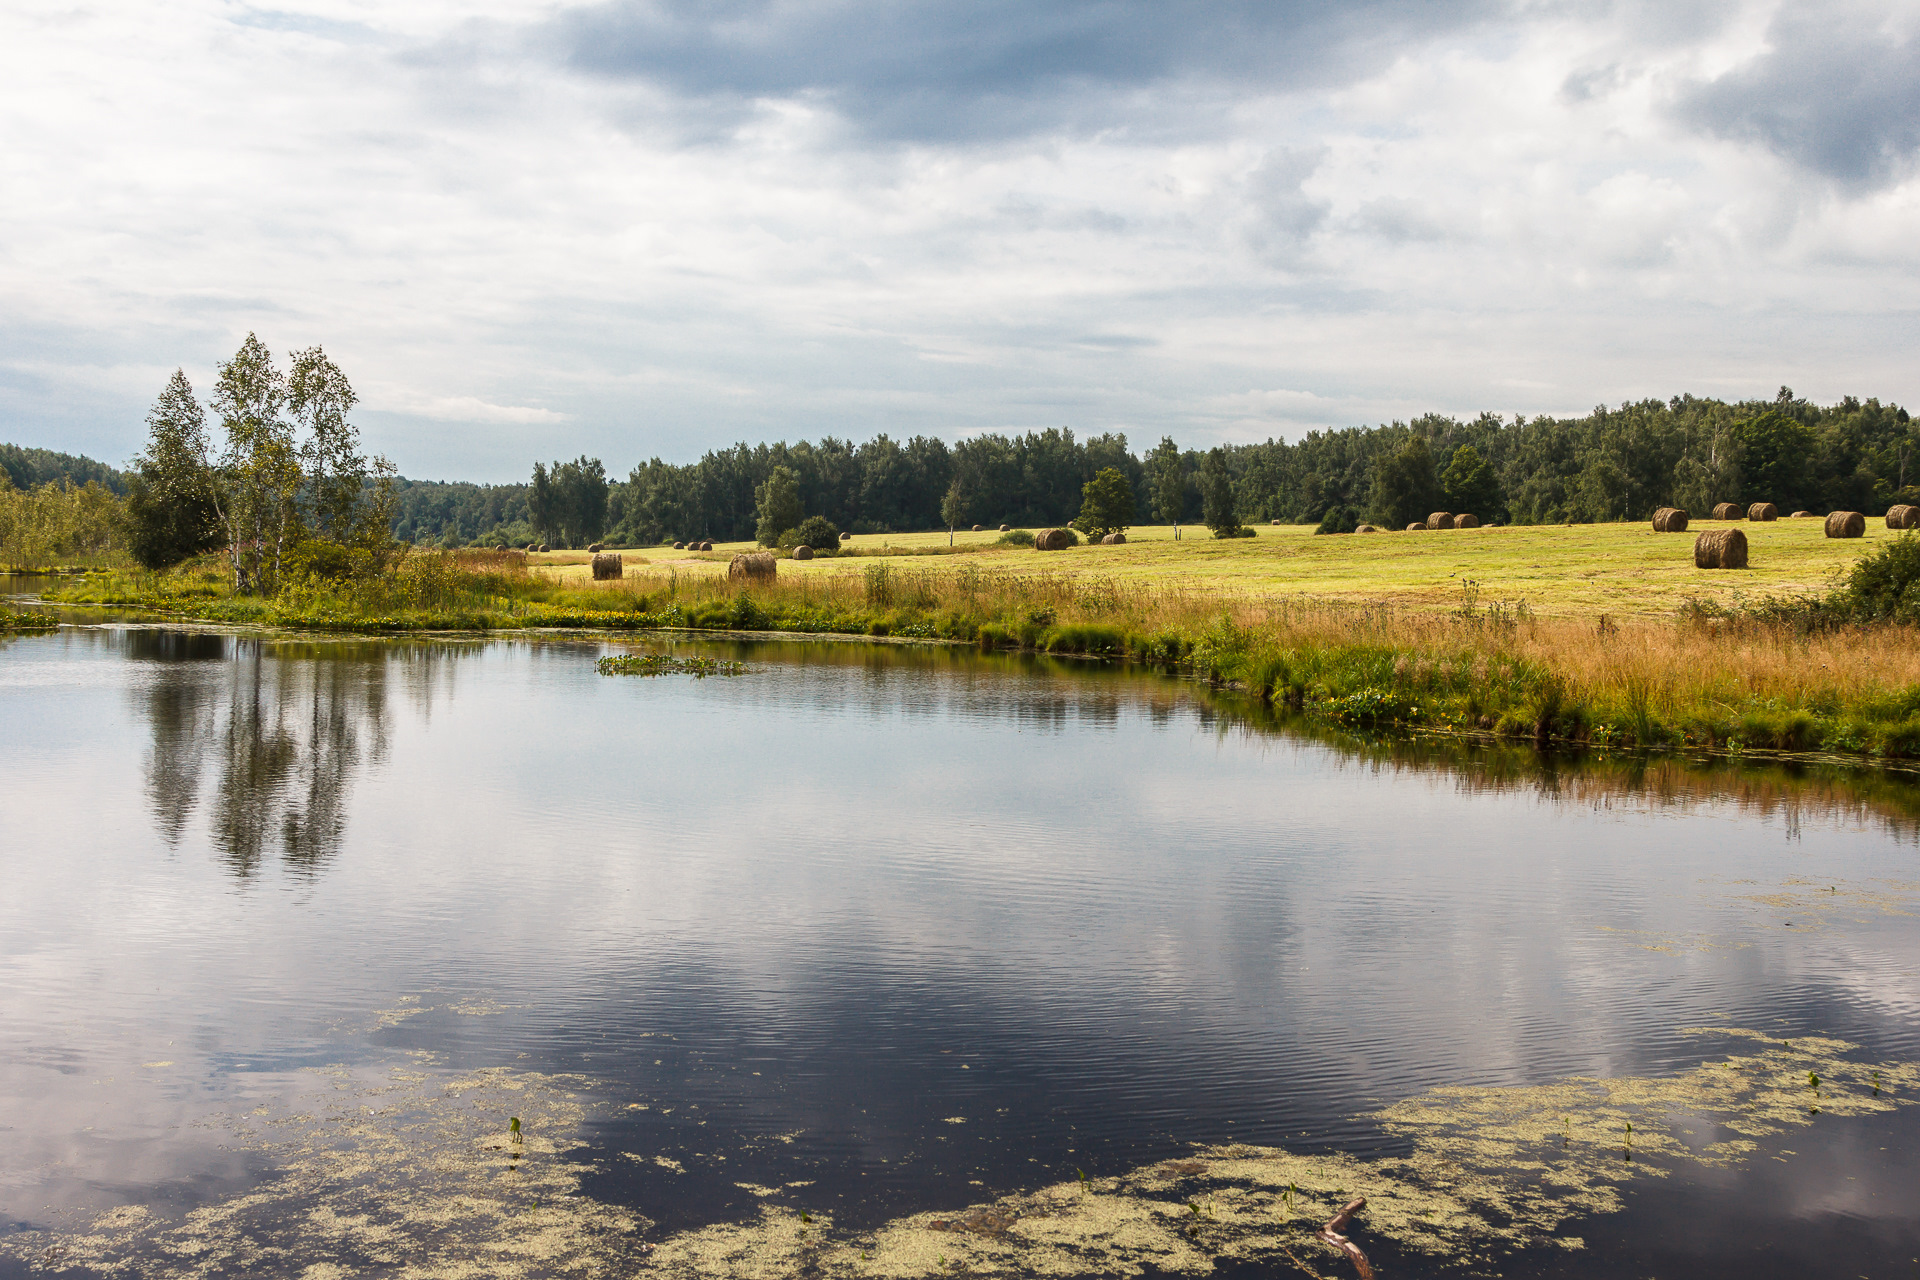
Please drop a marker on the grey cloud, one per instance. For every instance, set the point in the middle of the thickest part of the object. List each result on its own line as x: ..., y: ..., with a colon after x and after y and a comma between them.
x: 1836, y: 95
x: 942, y: 70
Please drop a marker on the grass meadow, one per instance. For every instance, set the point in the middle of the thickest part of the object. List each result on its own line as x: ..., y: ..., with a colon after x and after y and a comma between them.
x: 1600, y: 635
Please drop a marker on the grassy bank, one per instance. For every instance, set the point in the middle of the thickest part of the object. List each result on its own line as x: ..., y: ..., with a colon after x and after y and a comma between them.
x: 1705, y: 676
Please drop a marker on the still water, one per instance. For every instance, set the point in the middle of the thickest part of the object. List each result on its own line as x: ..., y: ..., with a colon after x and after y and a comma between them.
x: 291, y: 929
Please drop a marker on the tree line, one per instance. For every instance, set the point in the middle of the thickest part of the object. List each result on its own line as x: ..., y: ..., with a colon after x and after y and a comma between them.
x: 1611, y: 464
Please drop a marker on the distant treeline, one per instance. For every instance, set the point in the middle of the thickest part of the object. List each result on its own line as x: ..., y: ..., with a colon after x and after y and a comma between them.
x: 1611, y: 464
x: 31, y: 468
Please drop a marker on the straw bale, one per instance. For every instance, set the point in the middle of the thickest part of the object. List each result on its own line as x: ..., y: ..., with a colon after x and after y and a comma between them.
x: 1416, y: 526
x: 1440, y: 520
x: 1720, y: 549
x: 595, y: 548
x: 1005, y: 527
x: 976, y: 528
x: 1052, y: 540
x: 757, y: 565
x: 1366, y: 528
x: 607, y: 564
x: 1466, y: 520
x: 679, y: 546
x: 705, y: 545
x: 1727, y: 511
x: 845, y: 536
x: 1113, y: 539
x: 1846, y: 524
x: 803, y: 552
x: 1763, y: 511
x: 1902, y: 516
x: 1801, y: 515
x: 1670, y: 520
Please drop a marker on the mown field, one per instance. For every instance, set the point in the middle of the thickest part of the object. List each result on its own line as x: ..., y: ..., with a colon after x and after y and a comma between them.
x: 1623, y: 570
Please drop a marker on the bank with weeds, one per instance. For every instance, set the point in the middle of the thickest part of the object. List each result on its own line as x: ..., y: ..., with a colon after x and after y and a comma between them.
x: 1834, y: 674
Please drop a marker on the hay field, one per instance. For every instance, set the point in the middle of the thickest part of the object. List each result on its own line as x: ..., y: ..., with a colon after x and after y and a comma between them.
x: 1623, y: 570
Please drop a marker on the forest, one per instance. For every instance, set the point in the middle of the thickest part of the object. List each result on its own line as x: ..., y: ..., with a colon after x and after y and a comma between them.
x: 1611, y: 464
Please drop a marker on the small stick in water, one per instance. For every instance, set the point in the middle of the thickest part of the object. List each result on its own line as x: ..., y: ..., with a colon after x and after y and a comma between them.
x: 1333, y: 1234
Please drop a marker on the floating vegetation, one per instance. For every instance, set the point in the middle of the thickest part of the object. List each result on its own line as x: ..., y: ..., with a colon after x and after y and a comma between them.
x: 665, y: 664
x: 420, y: 1180
x: 16, y: 620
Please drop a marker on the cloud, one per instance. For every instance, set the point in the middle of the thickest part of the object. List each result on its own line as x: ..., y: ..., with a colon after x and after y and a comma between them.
x: 468, y: 409
x: 945, y: 70
x: 1836, y: 92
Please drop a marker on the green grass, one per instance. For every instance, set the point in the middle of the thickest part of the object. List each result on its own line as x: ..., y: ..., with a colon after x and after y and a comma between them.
x: 1311, y: 623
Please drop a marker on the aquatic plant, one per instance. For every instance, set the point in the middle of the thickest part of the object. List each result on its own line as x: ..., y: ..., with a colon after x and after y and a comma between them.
x: 662, y: 664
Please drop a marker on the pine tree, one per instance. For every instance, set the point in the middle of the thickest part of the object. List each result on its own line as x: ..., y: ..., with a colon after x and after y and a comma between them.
x: 171, y: 511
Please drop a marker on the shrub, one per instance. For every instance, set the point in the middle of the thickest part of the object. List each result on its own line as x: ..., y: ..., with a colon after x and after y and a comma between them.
x: 817, y: 532
x: 1339, y: 520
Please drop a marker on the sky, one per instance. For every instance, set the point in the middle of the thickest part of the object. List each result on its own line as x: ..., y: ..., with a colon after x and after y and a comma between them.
x: 649, y: 228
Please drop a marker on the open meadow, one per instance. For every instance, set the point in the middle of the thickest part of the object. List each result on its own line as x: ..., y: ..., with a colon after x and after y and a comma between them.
x: 1621, y: 570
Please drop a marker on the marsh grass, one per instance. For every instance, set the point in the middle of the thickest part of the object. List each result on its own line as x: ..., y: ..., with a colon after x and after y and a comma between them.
x: 1723, y: 681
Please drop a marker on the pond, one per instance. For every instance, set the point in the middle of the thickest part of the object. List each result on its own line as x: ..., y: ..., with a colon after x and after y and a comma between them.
x: 436, y: 957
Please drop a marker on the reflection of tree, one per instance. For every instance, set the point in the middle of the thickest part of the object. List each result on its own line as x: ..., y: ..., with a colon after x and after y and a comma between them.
x: 283, y: 729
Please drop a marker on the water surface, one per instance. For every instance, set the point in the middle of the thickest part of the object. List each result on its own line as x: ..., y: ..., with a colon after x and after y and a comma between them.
x: 878, y: 930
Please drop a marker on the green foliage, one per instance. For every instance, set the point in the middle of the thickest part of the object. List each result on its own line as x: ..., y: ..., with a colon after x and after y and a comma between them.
x: 1217, y: 497
x: 27, y: 468
x: 1884, y: 584
x: 172, y: 509
x: 1106, y: 504
x: 1016, y: 538
x: 1776, y: 460
x: 778, y: 504
x: 1469, y: 483
x: 1404, y: 489
x: 567, y: 504
x: 819, y: 533
x: 1339, y: 520
x: 662, y: 664
x: 61, y: 524
x: 957, y: 504
x: 1167, y: 475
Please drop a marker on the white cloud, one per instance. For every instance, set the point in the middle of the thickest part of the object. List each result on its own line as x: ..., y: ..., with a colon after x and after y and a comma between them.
x: 1511, y: 213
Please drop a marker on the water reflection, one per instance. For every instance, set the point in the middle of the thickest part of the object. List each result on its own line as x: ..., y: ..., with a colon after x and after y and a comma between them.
x: 273, y: 733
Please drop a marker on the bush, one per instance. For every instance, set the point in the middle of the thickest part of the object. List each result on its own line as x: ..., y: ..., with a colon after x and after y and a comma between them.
x: 1884, y: 585
x: 1017, y: 538
x: 1339, y: 520
x: 817, y: 532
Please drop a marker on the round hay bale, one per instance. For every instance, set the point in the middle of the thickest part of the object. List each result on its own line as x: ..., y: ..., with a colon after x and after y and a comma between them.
x: 607, y: 564
x: 1763, y: 511
x: 1005, y: 527
x: 1800, y: 515
x: 1052, y: 540
x: 533, y: 546
x: 1670, y: 520
x: 803, y: 552
x: 1727, y: 511
x: 679, y: 546
x: 1846, y: 524
x: 1113, y: 540
x: 705, y: 545
x: 758, y: 566
x: 1720, y: 549
x: 543, y: 546
x: 1366, y: 528
x: 976, y: 528
x: 845, y: 536
x: 1416, y: 526
x: 1466, y: 520
x: 595, y: 548
x: 1440, y: 520
x: 1902, y: 516
x: 1276, y: 522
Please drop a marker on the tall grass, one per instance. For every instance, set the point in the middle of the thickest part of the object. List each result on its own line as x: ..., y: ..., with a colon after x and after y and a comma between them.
x: 1482, y: 668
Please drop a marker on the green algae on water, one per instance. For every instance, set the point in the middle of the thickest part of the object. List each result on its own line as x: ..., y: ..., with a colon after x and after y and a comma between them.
x: 419, y: 1179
